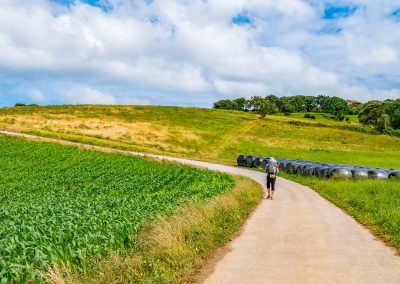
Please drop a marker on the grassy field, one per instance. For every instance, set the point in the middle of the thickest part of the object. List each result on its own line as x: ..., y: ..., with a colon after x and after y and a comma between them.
x: 206, y: 134
x: 64, y: 205
x: 374, y: 204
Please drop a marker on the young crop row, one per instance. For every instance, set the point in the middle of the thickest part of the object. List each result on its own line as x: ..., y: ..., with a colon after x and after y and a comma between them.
x: 62, y: 204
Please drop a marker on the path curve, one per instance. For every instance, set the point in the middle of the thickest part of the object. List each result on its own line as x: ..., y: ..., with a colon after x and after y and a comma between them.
x: 299, y: 237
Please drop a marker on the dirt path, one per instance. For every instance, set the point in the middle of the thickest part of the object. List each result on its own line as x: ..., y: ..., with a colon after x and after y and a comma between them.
x: 297, y: 238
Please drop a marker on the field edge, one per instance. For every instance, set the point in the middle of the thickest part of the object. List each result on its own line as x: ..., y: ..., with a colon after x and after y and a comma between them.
x: 173, y: 248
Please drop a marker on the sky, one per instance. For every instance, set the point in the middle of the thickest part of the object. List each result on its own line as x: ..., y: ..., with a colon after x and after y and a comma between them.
x: 194, y: 52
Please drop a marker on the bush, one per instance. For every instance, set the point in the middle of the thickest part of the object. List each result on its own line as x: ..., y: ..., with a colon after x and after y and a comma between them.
x: 311, y: 116
x: 21, y: 104
x: 298, y: 123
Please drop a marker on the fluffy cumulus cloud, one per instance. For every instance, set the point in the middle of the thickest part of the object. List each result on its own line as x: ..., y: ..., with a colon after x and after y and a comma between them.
x: 194, y: 52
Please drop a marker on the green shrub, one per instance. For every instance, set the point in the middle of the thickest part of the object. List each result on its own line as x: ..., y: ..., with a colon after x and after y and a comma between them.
x: 310, y: 116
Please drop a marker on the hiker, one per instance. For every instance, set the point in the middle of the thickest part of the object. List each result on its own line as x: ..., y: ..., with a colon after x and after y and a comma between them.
x: 272, y: 169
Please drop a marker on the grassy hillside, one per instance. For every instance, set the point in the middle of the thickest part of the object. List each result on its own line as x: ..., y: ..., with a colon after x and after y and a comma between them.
x: 64, y: 205
x: 207, y: 134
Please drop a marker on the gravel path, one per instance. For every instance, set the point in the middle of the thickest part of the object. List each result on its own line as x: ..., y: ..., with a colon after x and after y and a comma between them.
x: 299, y: 237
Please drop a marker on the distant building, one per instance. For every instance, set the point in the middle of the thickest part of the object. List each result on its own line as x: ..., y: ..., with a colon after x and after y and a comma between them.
x: 353, y: 103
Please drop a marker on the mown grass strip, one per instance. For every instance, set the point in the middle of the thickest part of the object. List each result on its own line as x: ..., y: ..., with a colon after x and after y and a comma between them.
x: 373, y: 203
x: 170, y: 249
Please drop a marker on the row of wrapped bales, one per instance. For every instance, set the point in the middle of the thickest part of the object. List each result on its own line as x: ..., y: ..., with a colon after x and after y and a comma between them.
x: 326, y: 170
x: 252, y: 161
x: 323, y: 170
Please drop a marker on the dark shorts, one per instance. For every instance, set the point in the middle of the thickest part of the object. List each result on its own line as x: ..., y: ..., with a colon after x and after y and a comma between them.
x: 271, y: 182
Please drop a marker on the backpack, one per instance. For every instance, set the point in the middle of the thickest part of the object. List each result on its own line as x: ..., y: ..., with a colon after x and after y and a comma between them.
x: 271, y: 168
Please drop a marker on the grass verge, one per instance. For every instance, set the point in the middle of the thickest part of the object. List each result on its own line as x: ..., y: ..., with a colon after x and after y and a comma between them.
x: 373, y: 203
x: 171, y: 248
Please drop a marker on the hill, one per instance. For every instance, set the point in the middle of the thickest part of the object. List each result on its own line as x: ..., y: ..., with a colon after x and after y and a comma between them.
x: 205, y: 134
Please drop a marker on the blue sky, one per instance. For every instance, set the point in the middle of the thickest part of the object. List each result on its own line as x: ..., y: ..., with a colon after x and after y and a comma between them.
x: 191, y: 53
x: 332, y: 12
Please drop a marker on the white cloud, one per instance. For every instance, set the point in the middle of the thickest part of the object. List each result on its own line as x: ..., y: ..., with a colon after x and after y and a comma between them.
x: 376, y: 56
x: 191, y: 49
x: 235, y: 89
x: 86, y: 95
x: 36, y: 95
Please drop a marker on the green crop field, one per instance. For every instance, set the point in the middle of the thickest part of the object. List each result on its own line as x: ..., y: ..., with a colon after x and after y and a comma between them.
x: 62, y: 204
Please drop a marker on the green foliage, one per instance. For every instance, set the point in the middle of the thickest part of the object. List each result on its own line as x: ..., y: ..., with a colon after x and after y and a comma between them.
x: 240, y: 104
x: 311, y: 116
x: 393, y: 111
x: 61, y: 204
x: 381, y: 115
x: 225, y: 104
x: 236, y: 104
x: 262, y: 106
x: 285, y: 106
x: 334, y: 105
x: 371, y: 112
x: 339, y: 116
x: 383, y: 122
x: 22, y: 104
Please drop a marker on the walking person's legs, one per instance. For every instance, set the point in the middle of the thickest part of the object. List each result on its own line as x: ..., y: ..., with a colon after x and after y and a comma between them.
x: 272, y: 180
x: 268, y: 187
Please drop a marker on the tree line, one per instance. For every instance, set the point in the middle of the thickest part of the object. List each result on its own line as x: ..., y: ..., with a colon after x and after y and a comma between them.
x: 335, y: 106
x: 383, y: 116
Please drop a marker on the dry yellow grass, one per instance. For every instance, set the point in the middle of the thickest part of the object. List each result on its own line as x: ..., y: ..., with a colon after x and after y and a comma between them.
x: 148, y: 134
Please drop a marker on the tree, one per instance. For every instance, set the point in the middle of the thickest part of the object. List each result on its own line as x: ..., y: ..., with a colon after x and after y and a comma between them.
x: 254, y: 103
x: 240, y: 104
x: 383, y: 122
x: 273, y: 99
x: 225, y: 104
x: 310, y: 103
x: 298, y: 103
x: 334, y: 105
x: 262, y: 106
x: 284, y: 105
x: 392, y: 108
x: 371, y: 112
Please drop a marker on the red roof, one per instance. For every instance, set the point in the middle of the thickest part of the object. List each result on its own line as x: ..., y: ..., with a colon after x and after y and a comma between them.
x: 353, y: 102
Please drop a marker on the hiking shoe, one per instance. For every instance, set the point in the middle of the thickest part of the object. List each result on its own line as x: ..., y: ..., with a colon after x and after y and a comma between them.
x: 269, y: 196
